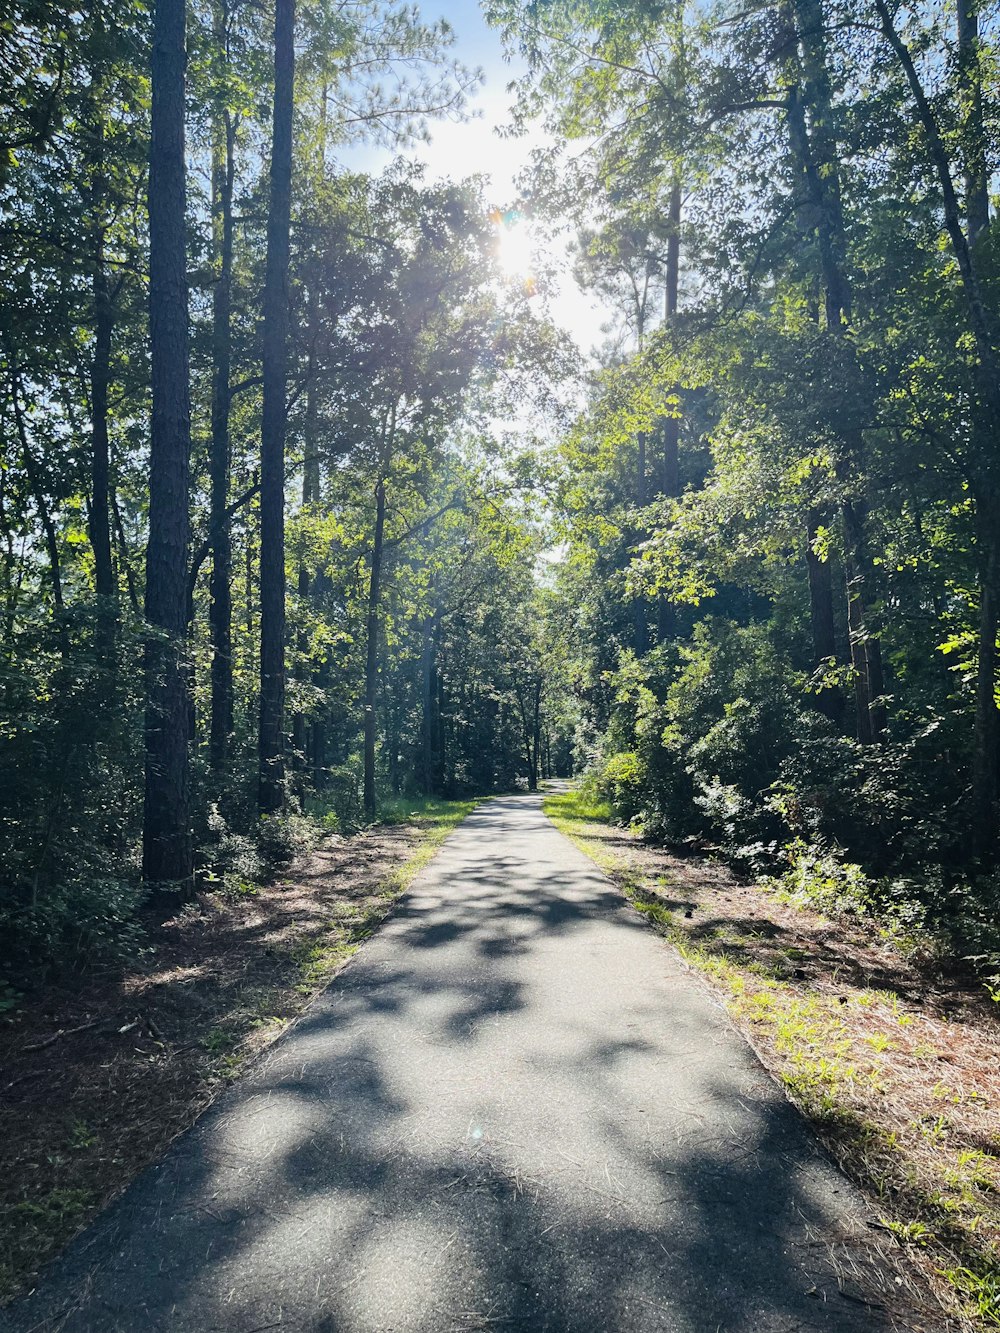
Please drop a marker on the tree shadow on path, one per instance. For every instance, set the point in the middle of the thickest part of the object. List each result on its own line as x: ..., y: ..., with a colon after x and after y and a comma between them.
x: 514, y: 1110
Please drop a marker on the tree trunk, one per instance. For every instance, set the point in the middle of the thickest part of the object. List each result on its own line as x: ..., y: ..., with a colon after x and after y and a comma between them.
x: 100, y: 376
x: 536, y: 729
x: 855, y: 526
x: 270, y: 790
x: 371, y: 657
x: 976, y: 172
x: 443, y: 779
x: 310, y: 496
x: 640, y: 631
x: 670, y: 482
x: 829, y: 701
x: 428, y: 693
x: 859, y: 664
x: 984, y: 763
x: 814, y: 148
x: 166, y: 853
x: 220, y: 612
x: 100, y: 365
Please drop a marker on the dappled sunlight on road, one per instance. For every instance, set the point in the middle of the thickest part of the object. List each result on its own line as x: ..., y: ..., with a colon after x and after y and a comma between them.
x: 514, y: 1109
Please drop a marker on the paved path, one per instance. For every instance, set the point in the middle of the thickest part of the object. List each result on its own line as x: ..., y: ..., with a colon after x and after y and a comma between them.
x: 515, y: 1110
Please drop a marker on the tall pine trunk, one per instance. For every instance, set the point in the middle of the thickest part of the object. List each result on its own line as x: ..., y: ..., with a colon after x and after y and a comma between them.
x: 220, y: 610
x: 640, y: 628
x: 371, y: 657
x: 271, y: 756
x: 670, y: 483
x: 100, y: 377
x: 975, y: 169
x: 310, y: 496
x: 814, y: 148
x: 166, y: 851
x: 829, y: 699
x: 428, y: 668
x: 99, y: 524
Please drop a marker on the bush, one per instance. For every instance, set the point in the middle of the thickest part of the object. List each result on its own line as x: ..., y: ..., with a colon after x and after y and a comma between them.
x: 699, y: 734
x: 70, y: 795
x: 892, y: 808
x: 342, y: 795
x: 621, y: 781
x: 82, y: 918
x: 907, y: 912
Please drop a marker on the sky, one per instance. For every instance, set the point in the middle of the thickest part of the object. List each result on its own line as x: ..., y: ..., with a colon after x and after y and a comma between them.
x: 474, y: 147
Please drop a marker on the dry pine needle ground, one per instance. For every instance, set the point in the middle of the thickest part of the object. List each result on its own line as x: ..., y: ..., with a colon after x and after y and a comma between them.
x: 96, y: 1078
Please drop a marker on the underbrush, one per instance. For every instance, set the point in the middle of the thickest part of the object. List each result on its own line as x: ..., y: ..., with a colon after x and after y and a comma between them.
x: 714, y: 742
x: 82, y: 909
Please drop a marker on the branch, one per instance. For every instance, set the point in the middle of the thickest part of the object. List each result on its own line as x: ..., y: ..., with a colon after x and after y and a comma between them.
x: 422, y: 526
x: 202, y: 551
x: 254, y: 382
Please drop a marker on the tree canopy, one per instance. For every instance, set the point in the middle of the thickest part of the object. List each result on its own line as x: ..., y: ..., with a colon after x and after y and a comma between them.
x: 294, y: 520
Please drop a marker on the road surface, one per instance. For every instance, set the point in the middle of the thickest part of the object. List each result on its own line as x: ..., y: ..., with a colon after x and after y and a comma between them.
x: 514, y: 1110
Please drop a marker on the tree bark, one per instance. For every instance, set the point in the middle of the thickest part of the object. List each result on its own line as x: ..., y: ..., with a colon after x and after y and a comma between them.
x: 640, y: 630
x: 985, y: 736
x: 310, y: 496
x: 670, y: 484
x: 167, y: 855
x: 428, y: 671
x: 100, y: 377
x: 537, y: 735
x: 271, y: 774
x: 975, y: 170
x: 220, y: 612
x: 814, y: 147
x: 99, y: 524
x: 371, y: 656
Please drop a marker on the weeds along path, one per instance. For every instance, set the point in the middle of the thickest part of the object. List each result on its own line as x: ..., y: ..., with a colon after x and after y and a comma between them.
x: 514, y: 1108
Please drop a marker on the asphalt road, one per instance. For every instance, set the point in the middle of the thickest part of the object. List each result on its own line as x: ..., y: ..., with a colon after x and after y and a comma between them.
x: 514, y: 1110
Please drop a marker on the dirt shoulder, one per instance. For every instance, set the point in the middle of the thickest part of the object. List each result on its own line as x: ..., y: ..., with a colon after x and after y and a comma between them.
x: 896, y: 1065
x: 97, y: 1078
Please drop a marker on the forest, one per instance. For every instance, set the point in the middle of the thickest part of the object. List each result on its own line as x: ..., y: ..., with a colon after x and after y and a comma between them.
x: 309, y: 506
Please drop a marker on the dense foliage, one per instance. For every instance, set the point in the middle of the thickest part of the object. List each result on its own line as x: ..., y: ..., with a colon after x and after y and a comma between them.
x: 780, y: 504
x: 278, y: 539
x: 311, y: 587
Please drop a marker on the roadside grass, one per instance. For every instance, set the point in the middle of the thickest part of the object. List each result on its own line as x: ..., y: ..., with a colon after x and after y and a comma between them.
x: 97, y: 1078
x: 898, y: 1072
x: 425, y: 812
x: 321, y: 958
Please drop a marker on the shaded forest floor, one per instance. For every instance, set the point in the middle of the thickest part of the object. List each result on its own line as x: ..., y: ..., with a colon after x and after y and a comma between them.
x: 97, y: 1076
x: 895, y: 1063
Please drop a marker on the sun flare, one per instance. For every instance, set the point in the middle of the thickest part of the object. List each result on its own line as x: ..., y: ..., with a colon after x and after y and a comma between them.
x: 516, y: 251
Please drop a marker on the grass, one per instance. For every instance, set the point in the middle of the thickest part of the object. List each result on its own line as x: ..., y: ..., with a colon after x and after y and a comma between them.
x: 427, y: 813
x: 862, y: 1063
x: 322, y: 958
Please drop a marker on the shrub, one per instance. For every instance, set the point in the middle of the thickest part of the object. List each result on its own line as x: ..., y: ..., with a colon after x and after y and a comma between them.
x: 621, y: 781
